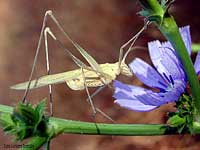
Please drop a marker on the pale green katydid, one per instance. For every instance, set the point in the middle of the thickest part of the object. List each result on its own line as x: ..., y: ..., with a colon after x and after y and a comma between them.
x: 95, y: 75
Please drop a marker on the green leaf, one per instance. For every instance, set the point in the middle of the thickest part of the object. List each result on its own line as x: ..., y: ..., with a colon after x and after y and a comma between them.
x: 25, y: 121
x: 183, y: 118
x: 155, y: 18
x: 176, y: 121
x: 144, y: 13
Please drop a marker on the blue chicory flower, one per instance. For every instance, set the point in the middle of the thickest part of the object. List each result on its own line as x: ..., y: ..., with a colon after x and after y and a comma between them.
x: 168, y: 77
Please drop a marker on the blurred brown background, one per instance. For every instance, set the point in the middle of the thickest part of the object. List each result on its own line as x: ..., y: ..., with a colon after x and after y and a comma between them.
x: 101, y: 27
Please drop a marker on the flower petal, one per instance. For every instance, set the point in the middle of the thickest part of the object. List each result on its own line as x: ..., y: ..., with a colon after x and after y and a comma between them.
x: 147, y: 74
x: 122, y: 91
x: 160, y: 98
x: 165, y: 61
x: 174, y: 93
x: 129, y: 92
x: 151, y: 98
x: 185, y: 34
x: 197, y: 64
x: 134, y: 105
x: 125, y: 97
x: 126, y: 91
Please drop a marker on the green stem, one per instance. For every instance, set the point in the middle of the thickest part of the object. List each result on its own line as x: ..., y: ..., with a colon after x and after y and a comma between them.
x: 78, y: 127
x: 58, y: 126
x: 55, y: 126
x: 169, y: 29
x: 195, y: 47
x: 34, y: 143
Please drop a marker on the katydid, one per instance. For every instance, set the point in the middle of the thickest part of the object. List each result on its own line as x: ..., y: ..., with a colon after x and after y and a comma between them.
x: 95, y: 75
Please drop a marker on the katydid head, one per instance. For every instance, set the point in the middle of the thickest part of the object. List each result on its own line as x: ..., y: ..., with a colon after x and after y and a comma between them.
x: 125, y: 70
x: 123, y: 67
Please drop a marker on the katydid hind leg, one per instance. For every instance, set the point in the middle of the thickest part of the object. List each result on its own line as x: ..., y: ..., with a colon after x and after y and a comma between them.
x: 35, y: 57
x: 34, y: 64
x: 86, y: 55
x: 48, y: 72
x: 60, y: 44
